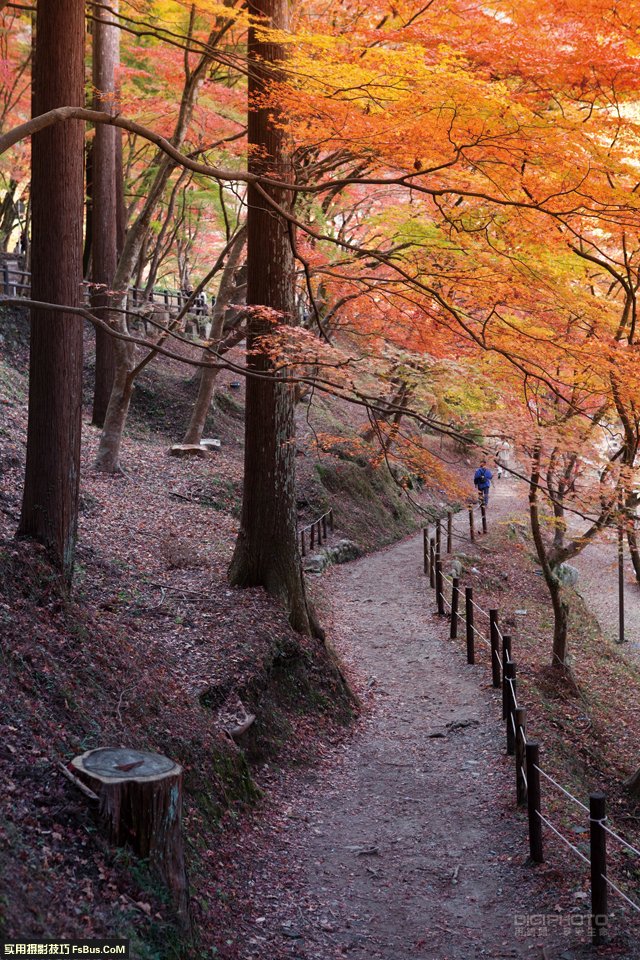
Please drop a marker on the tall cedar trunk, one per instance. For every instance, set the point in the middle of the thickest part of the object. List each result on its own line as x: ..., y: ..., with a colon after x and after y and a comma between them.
x: 209, y: 374
x: 106, y: 56
x: 266, y: 552
x: 50, y: 499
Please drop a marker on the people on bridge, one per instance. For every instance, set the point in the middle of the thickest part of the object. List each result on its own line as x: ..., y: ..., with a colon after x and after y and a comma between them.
x: 482, y: 479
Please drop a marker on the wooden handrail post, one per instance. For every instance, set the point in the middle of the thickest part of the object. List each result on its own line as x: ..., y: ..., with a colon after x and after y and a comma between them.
x: 312, y: 535
x: 506, y: 657
x: 319, y: 526
x: 483, y: 512
x: 449, y: 531
x: 455, y: 594
x: 532, y: 753
x: 425, y: 549
x: 598, y: 836
x: 439, y: 538
x: 432, y: 563
x: 324, y: 526
x: 472, y: 530
x: 510, y: 679
x: 302, y: 544
x: 521, y: 736
x: 331, y: 523
x: 494, y: 637
x: 439, y: 587
x: 468, y: 613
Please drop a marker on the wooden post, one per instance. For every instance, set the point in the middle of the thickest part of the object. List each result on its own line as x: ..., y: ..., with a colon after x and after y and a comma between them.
x: 5, y: 276
x: 425, y: 549
x: 302, y: 544
x: 532, y: 753
x: 506, y: 657
x: 483, y: 512
x: 599, y: 909
x: 140, y: 797
x: 324, y: 526
x: 166, y: 298
x: 313, y: 535
x: 510, y: 679
x: 331, y: 524
x: 455, y: 593
x: 439, y: 587
x: 494, y: 637
x: 468, y: 612
x: 521, y: 736
x: 449, y: 532
x: 472, y: 531
x: 439, y: 538
x: 432, y: 563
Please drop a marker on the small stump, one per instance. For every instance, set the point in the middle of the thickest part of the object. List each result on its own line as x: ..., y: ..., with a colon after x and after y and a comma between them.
x: 140, y: 797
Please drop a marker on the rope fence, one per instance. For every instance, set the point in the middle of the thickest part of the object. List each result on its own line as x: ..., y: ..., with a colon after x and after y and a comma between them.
x: 318, y: 531
x: 528, y: 771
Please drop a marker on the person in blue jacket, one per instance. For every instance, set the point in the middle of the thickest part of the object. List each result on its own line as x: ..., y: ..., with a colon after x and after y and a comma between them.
x: 482, y: 479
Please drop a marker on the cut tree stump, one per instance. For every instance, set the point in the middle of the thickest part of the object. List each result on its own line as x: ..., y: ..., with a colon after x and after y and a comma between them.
x: 189, y: 450
x: 140, y: 796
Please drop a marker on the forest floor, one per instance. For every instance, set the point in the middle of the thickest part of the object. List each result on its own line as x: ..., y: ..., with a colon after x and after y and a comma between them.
x: 405, y: 842
x: 394, y: 836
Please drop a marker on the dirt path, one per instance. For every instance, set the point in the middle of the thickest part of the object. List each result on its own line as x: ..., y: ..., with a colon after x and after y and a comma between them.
x: 598, y: 586
x: 406, y: 843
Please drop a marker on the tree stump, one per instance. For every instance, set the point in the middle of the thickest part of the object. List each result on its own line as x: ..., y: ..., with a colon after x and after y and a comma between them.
x: 140, y: 797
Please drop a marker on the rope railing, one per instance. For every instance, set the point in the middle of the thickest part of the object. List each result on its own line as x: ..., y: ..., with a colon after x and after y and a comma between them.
x: 318, y: 531
x: 528, y: 769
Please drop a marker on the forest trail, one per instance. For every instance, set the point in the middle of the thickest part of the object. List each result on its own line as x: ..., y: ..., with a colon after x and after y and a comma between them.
x: 407, y: 843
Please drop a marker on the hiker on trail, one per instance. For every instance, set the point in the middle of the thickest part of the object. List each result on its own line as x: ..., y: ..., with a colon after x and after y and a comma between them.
x: 482, y: 479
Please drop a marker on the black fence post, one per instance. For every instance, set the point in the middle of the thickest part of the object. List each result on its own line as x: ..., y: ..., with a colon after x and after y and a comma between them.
x: 599, y: 908
x: 510, y: 679
x: 483, y: 511
x: 439, y: 538
x: 506, y: 658
x: 532, y: 753
x: 312, y: 535
x: 472, y: 532
x: 439, y: 586
x: 425, y: 550
x: 432, y: 563
x: 5, y: 277
x: 324, y: 526
x: 521, y: 738
x: 319, y: 526
x: 331, y: 523
x: 302, y: 544
x: 455, y: 594
x: 494, y: 637
x: 468, y: 612
x: 449, y: 532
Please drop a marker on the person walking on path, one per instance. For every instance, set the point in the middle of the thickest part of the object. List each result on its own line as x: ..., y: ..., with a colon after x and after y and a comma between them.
x: 482, y: 479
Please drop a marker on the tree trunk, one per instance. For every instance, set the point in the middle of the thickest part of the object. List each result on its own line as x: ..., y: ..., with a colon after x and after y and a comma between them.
x: 50, y: 499
x: 108, y: 456
x: 106, y: 56
x: 209, y: 375
x: 266, y: 552
x: 632, y: 540
x: 633, y: 784
x: 560, y: 609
